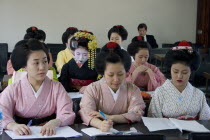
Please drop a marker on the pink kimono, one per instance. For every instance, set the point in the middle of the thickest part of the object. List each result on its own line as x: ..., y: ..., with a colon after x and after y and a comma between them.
x: 144, y: 81
x: 97, y: 96
x: 19, y: 99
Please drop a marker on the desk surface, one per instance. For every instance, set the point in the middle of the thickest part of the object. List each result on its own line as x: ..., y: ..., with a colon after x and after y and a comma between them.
x: 160, y: 57
x: 170, y: 134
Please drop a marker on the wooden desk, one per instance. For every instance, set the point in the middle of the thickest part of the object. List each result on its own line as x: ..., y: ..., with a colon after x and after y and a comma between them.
x: 170, y: 134
x: 161, y: 58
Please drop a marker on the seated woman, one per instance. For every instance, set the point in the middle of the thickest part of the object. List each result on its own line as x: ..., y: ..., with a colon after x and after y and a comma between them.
x: 119, y: 100
x: 31, y: 33
x: 64, y: 56
x: 35, y: 97
x: 144, y: 75
x: 118, y: 34
x: 79, y: 71
x: 177, y: 98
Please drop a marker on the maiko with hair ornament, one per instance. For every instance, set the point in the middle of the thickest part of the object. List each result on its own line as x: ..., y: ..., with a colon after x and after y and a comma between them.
x: 79, y: 71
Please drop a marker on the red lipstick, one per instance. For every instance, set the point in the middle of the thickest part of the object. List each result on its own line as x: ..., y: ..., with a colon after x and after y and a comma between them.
x: 179, y: 81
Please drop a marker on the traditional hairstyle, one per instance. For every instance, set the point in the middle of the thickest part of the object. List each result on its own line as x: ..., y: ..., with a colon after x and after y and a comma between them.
x: 112, y: 53
x: 42, y: 35
x: 183, y: 53
x: 22, y: 51
x: 142, y: 25
x: 68, y: 33
x: 87, y: 40
x: 134, y: 47
x: 137, y: 38
x: 34, y: 33
x: 120, y: 30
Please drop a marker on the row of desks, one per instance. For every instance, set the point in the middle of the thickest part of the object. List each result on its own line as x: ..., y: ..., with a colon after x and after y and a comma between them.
x: 170, y: 134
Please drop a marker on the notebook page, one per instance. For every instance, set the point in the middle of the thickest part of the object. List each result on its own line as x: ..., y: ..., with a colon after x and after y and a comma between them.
x: 60, y: 132
x: 92, y: 131
x: 187, y: 125
x: 156, y: 124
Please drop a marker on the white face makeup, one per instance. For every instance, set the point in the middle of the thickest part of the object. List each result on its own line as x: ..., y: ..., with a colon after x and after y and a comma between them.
x: 81, y: 55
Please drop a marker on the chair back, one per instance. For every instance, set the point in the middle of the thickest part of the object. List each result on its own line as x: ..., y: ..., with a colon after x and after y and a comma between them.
x: 3, y: 57
x: 76, y: 108
x: 167, y: 45
x: 55, y: 49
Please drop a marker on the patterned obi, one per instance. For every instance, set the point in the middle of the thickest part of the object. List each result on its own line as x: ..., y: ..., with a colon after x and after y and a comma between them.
x: 77, y: 82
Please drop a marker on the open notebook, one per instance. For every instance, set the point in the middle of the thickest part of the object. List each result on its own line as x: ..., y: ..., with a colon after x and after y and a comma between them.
x: 156, y: 124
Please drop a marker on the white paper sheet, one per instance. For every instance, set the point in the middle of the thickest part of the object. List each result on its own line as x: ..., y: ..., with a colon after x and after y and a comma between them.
x: 155, y: 124
x: 73, y: 95
x: 94, y: 131
x: 65, y: 131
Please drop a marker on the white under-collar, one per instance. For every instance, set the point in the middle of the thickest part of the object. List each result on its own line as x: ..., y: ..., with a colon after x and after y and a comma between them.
x: 36, y: 94
x: 145, y: 38
x: 115, y: 95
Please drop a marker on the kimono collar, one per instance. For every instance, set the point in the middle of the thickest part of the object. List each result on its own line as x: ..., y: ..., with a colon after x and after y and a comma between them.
x: 168, y: 84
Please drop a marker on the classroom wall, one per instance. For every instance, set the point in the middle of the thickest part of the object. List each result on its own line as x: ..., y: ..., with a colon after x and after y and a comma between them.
x: 168, y: 20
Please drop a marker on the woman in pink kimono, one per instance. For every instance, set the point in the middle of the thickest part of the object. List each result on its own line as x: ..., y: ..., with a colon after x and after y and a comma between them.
x: 120, y: 101
x: 177, y: 98
x: 35, y: 97
x: 144, y: 75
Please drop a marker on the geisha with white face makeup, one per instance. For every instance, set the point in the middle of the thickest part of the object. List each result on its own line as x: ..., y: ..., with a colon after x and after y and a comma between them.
x: 79, y: 71
x: 81, y: 56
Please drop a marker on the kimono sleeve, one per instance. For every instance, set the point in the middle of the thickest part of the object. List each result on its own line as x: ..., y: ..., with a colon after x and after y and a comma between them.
x: 88, y: 104
x: 205, y: 110
x: 157, y: 80
x: 155, y: 107
x: 65, y: 78
x: 64, y: 107
x: 136, y: 106
x: 7, y: 104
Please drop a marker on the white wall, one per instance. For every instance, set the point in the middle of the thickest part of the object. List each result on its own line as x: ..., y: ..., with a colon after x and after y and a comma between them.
x: 168, y: 20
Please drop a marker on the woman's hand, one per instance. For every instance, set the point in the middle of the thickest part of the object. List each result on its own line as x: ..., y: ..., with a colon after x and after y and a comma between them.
x: 105, y: 125
x: 20, y: 129
x: 49, y: 128
x: 96, y: 114
x: 142, y: 68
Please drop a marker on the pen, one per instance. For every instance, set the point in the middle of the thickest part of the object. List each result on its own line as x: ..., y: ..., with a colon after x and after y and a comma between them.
x: 29, y: 123
x: 103, y: 115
